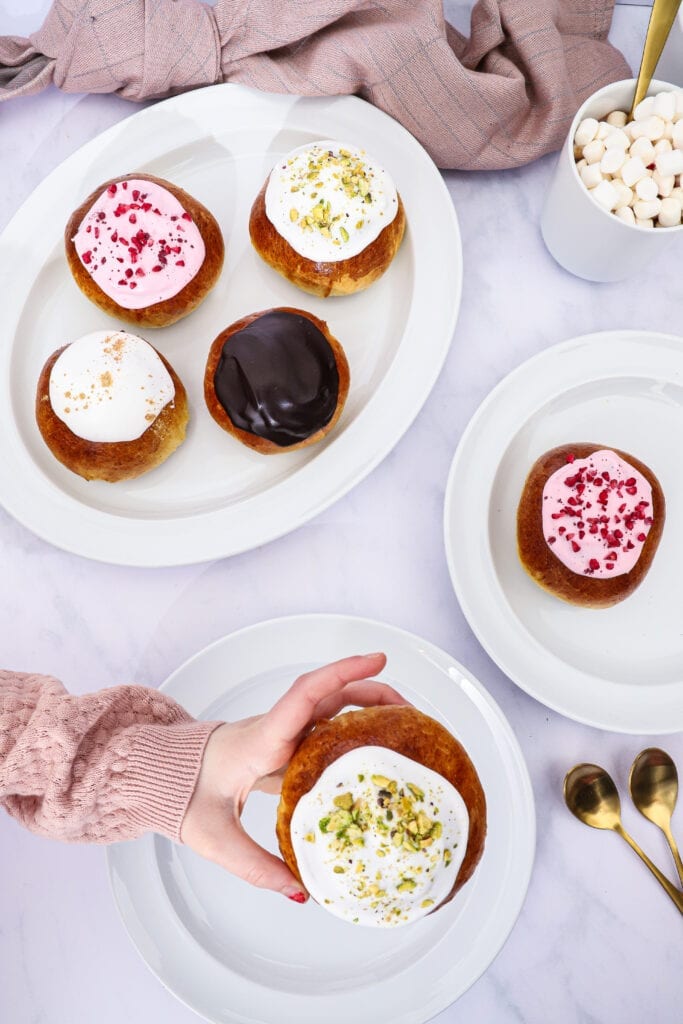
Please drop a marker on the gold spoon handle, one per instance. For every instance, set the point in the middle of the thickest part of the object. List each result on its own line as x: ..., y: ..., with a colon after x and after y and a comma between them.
x: 674, y: 850
x: 673, y: 892
x: 662, y: 18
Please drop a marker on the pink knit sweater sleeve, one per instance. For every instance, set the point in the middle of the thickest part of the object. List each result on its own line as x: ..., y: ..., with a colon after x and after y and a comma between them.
x: 96, y: 768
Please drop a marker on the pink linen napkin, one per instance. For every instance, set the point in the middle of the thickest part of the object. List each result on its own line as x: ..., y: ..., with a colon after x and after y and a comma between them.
x: 499, y: 99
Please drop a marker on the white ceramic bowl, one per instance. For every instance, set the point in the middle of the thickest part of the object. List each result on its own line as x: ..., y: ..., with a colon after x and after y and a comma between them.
x: 582, y: 236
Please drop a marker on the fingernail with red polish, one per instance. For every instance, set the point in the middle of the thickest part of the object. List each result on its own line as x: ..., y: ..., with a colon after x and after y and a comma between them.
x: 297, y: 897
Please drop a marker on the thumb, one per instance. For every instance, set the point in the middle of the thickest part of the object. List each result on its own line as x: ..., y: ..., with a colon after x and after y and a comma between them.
x: 245, y: 858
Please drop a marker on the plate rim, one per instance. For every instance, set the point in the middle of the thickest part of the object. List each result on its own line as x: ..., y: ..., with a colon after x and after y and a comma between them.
x: 482, y: 631
x: 139, y: 546
x: 526, y: 849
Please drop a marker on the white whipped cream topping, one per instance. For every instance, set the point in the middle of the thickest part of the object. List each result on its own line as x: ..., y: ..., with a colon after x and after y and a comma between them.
x: 362, y: 875
x: 109, y: 386
x: 330, y: 200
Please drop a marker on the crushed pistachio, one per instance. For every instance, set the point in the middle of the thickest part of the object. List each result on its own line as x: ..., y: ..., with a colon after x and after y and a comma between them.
x: 406, y: 885
x: 391, y: 816
x: 345, y: 801
x: 345, y: 173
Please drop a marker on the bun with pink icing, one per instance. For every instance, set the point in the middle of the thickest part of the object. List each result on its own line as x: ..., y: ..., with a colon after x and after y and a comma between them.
x: 143, y: 250
x: 589, y: 522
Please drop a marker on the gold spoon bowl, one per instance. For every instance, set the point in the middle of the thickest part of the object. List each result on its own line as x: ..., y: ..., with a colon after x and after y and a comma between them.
x: 653, y: 784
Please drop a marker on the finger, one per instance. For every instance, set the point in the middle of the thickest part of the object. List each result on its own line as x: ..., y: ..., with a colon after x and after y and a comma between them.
x: 366, y: 694
x: 241, y: 856
x: 270, y: 783
x: 296, y: 708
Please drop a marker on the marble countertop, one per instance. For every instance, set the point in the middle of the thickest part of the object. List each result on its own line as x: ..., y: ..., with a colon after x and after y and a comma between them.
x: 596, y: 941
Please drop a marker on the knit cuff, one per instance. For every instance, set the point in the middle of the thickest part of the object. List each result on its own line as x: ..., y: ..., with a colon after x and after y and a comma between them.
x: 161, y: 774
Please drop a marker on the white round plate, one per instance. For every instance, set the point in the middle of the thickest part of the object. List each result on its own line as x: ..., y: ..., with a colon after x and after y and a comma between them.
x: 619, y: 668
x: 238, y: 954
x: 214, y: 497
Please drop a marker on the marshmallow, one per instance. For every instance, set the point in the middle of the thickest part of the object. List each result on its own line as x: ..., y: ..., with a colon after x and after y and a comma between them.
x: 653, y: 127
x: 591, y: 175
x: 637, y: 130
x: 586, y: 131
x: 645, y: 209
x: 612, y: 161
x: 615, y: 158
x: 643, y: 148
x: 593, y: 151
x: 663, y: 146
x: 633, y: 170
x: 664, y: 106
x: 644, y: 108
x: 670, y: 213
x: 670, y: 163
x: 626, y: 214
x: 646, y: 188
x: 617, y: 140
x: 665, y: 183
x: 606, y: 195
x: 618, y: 118
x: 625, y: 193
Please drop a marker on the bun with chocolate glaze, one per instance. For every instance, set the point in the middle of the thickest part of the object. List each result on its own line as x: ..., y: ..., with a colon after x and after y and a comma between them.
x: 589, y: 522
x: 276, y: 380
x: 110, y: 407
x: 328, y: 218
x: 144, y: 250
x: 390, y: 842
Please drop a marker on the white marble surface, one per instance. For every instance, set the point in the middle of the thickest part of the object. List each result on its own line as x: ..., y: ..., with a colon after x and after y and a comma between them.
x: 596, y: 941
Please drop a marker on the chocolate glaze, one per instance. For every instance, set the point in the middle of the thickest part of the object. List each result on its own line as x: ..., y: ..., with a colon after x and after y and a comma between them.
x: 277, y: 378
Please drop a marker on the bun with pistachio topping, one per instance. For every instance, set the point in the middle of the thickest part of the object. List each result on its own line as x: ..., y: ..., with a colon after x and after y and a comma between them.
x: 382, y: 816
x: 328, y: 218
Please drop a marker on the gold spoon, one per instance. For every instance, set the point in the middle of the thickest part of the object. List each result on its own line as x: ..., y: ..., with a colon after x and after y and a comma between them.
x: 590, y: 794
x: 653, y: 783
x: 662, y: 18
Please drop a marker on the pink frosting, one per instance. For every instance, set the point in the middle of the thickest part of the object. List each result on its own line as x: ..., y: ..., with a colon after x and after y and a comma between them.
x: 597, y: 513
x: 139, y: 245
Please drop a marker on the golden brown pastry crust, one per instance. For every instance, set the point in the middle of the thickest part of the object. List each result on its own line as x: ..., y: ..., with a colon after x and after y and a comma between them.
x: 161, y: 314
x: 262, y: 444
x: 112, y: 460
x: 405, y: 730
x: 341, y: 278
x: 545, y: 568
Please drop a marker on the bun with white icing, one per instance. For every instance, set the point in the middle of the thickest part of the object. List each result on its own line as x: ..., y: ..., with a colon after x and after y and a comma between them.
x: 589, y: 522
x: 110, y: 407
x: 143, y: 250
x: 382, y: 816
x: 328, y: 218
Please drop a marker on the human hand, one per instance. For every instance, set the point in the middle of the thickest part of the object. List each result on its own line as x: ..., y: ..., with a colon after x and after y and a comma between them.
x: 253, y: 753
